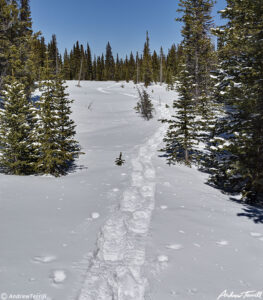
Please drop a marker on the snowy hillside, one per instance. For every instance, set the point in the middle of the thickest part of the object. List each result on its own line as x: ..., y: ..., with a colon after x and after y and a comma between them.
x: 140, y: 231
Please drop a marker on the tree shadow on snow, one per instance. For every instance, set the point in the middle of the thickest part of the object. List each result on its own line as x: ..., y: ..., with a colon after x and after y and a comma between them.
x: 73, y: 167
x: 251, y: 212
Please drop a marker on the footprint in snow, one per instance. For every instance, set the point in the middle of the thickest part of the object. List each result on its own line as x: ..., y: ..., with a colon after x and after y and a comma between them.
x: 162, y: 259
x: 58, y: 276
x: 44, y: 259
x: 163, y: 207
x: 222, y: 243
x: 95, y: 215
x: 174, y: 247
x: 255, y: 234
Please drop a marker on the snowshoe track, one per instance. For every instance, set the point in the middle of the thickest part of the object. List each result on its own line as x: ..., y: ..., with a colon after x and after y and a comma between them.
x: 116, y: 270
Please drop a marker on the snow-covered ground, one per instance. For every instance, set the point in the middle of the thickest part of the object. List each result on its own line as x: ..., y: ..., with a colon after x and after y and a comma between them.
x: 140, y: 231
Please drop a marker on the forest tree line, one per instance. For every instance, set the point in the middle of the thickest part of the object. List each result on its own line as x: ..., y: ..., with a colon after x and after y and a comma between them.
x: 79, y: 63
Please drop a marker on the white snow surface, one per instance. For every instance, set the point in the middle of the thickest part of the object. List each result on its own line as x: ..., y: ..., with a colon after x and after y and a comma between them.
x: 137, y: 232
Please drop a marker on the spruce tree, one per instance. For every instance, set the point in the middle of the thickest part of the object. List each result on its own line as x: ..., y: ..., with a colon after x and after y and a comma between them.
x: 147, y: 63
x: 162, y: 66
x: 94, y: 68
x: 155, y: 67
x: 53, y: 54
x: 144, y: 105
x: 15, y: 145
x: 171, y: 67
x: 109, y: 63
x: 66, y: 66
x: 50, y: 159
x: 5, y: 24
x: 117, y: 69
x: 68, y: 146
x: 55, y: 129
x: 198, y: 47
x: 194, y: 83
x: 89, y: 64
x: 180, y: 139
x: 240, y: 89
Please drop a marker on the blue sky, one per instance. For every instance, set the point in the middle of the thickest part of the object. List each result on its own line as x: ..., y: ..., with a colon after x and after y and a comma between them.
x: 121, y: 22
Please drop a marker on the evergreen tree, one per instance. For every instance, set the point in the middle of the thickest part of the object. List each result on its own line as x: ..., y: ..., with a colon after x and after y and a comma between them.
x: 54, y: 55
x: 194, y: 83
x: 68, y: 147
x: 89, y: 64
x: 66, y: 66
x: 199, y: 50
x: 119, y: 161
x: 180, y: 139
x: 240, y: 145
x: 147, y: 63
x: 15, y: 129
x: 5, y: 25
x: 25, y: 18
x: 155, y: 67
x: 94, y: 68
x: 162, y: 66
x: 50, y: 160
x: 132, y: 66
x: 171, y: 67
x: 117, y: 69
x: 136, y: 76
x: 109, y: 63
x: 144, y: 105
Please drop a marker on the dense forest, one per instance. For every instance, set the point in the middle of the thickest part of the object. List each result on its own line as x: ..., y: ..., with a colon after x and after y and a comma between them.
x: 220, y: 88
x: 80, y: 64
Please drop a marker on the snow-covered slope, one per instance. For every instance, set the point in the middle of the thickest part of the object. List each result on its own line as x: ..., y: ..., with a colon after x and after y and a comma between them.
x: 140, y: 231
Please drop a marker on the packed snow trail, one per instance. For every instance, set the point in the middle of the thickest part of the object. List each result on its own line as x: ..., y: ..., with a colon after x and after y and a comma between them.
x: 116, y: 270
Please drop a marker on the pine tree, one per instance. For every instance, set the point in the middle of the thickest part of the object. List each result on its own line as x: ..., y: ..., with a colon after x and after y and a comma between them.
x: 131, y: 67
x: 55, y: 129
x: 194, y: 83
x: 119, y: 161
x: 171, y: 67
x: 25, y: 18
x: 147, y: 63
x: 117, y: 69
x: 162, y: 66
x: 89, y: 64
x: 5, y: 24
x: 50, y: 160
x: 144, y: 105
x: 109, y: 63
x: 94, y: 68
x: 66, y: 67
x: 198, y: 47
x: 240, y: 89
x: 180, y: 139
x: 15, y: 146
x: 53, y: 54
x: 68, y: 147
x: 155, y: 67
